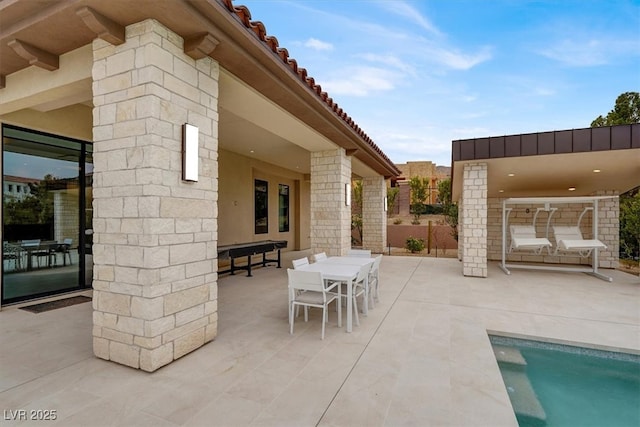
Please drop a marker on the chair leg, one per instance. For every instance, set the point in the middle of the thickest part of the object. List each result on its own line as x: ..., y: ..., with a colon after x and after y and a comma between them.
x: 372, y: 298
x: 355, y: 310
x: 291, y: 318
x: 325, y: 315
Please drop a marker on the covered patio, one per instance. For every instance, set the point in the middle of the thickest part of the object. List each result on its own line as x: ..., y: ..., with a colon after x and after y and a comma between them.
x: 421, y: 357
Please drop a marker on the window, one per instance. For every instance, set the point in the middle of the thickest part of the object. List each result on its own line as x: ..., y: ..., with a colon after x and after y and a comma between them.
x: 283, y: 207
x: 261, y: 206
x: 43, y: 212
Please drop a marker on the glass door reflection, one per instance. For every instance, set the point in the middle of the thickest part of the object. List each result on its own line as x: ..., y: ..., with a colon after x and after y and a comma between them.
x: 44, y: 185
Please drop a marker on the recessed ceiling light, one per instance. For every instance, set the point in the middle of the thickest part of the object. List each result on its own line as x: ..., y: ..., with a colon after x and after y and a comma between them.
x: 251, y: 151
x: 500, y: 191
x: 572, y: 188
x: 596, y: 171
x: 511, y: 174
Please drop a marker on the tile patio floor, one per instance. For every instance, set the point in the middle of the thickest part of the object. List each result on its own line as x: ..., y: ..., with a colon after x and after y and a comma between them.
x: 421, y: 357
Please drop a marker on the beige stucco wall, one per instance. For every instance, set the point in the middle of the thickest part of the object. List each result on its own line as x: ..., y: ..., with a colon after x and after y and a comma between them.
x: 75, y: 121
x: 236, y: 202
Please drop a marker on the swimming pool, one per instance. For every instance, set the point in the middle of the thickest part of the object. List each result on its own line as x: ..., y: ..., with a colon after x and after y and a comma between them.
x: 561, y: 385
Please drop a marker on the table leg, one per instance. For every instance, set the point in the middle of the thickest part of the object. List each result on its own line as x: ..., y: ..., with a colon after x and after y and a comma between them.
x: 249, y: 266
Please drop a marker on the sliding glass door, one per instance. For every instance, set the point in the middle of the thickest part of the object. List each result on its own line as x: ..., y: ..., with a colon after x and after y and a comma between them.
x: 46, y: 212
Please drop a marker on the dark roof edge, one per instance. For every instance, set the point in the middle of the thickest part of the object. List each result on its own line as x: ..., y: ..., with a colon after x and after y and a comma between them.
x: 619, y: 137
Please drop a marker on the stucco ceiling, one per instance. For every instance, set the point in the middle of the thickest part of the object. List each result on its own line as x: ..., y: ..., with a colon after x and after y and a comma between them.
x: 553, y: 175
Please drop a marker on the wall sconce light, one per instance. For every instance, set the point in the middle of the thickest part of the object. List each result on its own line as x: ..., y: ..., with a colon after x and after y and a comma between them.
x: 189, y: 152
x: 385, y: 204
x: 347, y: 194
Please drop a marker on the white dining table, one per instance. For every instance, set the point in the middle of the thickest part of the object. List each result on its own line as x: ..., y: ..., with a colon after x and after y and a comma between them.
x: 353, y: 260
x: 359, y: 261
x: 340, y: 269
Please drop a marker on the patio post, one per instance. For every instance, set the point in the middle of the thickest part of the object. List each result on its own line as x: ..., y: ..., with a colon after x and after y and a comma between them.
x: 155, y: 235
x: 330, y: 211
x: 374, y: 217
x: 474, y: 220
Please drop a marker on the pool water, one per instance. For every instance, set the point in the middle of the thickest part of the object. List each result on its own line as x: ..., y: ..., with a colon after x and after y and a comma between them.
x: 559, y: 385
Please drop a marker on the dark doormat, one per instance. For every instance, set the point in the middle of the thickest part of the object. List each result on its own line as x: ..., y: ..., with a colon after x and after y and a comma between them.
x: 52, y: 305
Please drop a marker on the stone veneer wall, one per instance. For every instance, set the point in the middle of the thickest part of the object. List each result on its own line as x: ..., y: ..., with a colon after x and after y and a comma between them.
x: 374, y: 217
x: 567, y: 214
x: 155, y: 236
x: 474, y: 220
x: 330, y: 217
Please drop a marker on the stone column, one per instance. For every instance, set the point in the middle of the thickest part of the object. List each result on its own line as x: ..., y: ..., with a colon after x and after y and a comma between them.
x: 155, y: 236
x: 460, y: 230
x: 609, y: 229
x: 474, y: 220
x: 374, y: 217
x: 330, y: 216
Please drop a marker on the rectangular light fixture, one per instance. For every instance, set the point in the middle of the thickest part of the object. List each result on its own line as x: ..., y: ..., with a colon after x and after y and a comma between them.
x: 347, y: 194
x: 189, y: 153
x: 386, y: 206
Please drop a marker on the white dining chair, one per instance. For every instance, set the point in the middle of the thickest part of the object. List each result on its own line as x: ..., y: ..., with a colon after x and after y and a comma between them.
x: 364, y: 253
x: 297, y: 263
x: 308, y: 289
x: 374, y: 280
x: 320, y: 257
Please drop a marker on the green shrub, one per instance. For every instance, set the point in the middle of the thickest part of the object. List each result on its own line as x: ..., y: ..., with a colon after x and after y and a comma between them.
x: 414, y: 245
x: 397, y: 221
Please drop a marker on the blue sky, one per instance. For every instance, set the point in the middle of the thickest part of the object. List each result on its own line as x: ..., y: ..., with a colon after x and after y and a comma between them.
x: 415, y: 75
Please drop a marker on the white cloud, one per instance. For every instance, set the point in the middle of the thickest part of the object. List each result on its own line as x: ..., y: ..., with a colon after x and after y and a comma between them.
x: 390, y: 60
x: 405, y: 10
x: 590, y: 52
x: 457, y: 60
x: 465, y: 133
x: 543, y: 91
x: 318, y: 44
x: 360, y: 81
x: 577, y: 54
x: 423, y: 143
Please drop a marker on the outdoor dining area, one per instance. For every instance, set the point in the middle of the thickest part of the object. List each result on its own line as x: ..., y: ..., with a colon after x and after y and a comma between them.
x: 337, y: 279
x: 30, y: 254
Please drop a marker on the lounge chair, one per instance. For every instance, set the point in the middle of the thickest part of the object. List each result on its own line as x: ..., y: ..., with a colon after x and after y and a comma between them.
x: 523, y: 238
x: 569, y: 239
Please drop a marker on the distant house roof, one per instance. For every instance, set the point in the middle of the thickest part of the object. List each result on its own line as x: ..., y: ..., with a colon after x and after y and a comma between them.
x: 20, y: 179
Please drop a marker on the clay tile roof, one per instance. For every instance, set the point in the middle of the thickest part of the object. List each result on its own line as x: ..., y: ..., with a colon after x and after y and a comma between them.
x: 271, y: 43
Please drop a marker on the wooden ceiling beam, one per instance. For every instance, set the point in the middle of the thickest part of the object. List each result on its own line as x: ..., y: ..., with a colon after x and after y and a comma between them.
x: 108, y: 30
x: 34, y: 55
x: 200, y: 46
